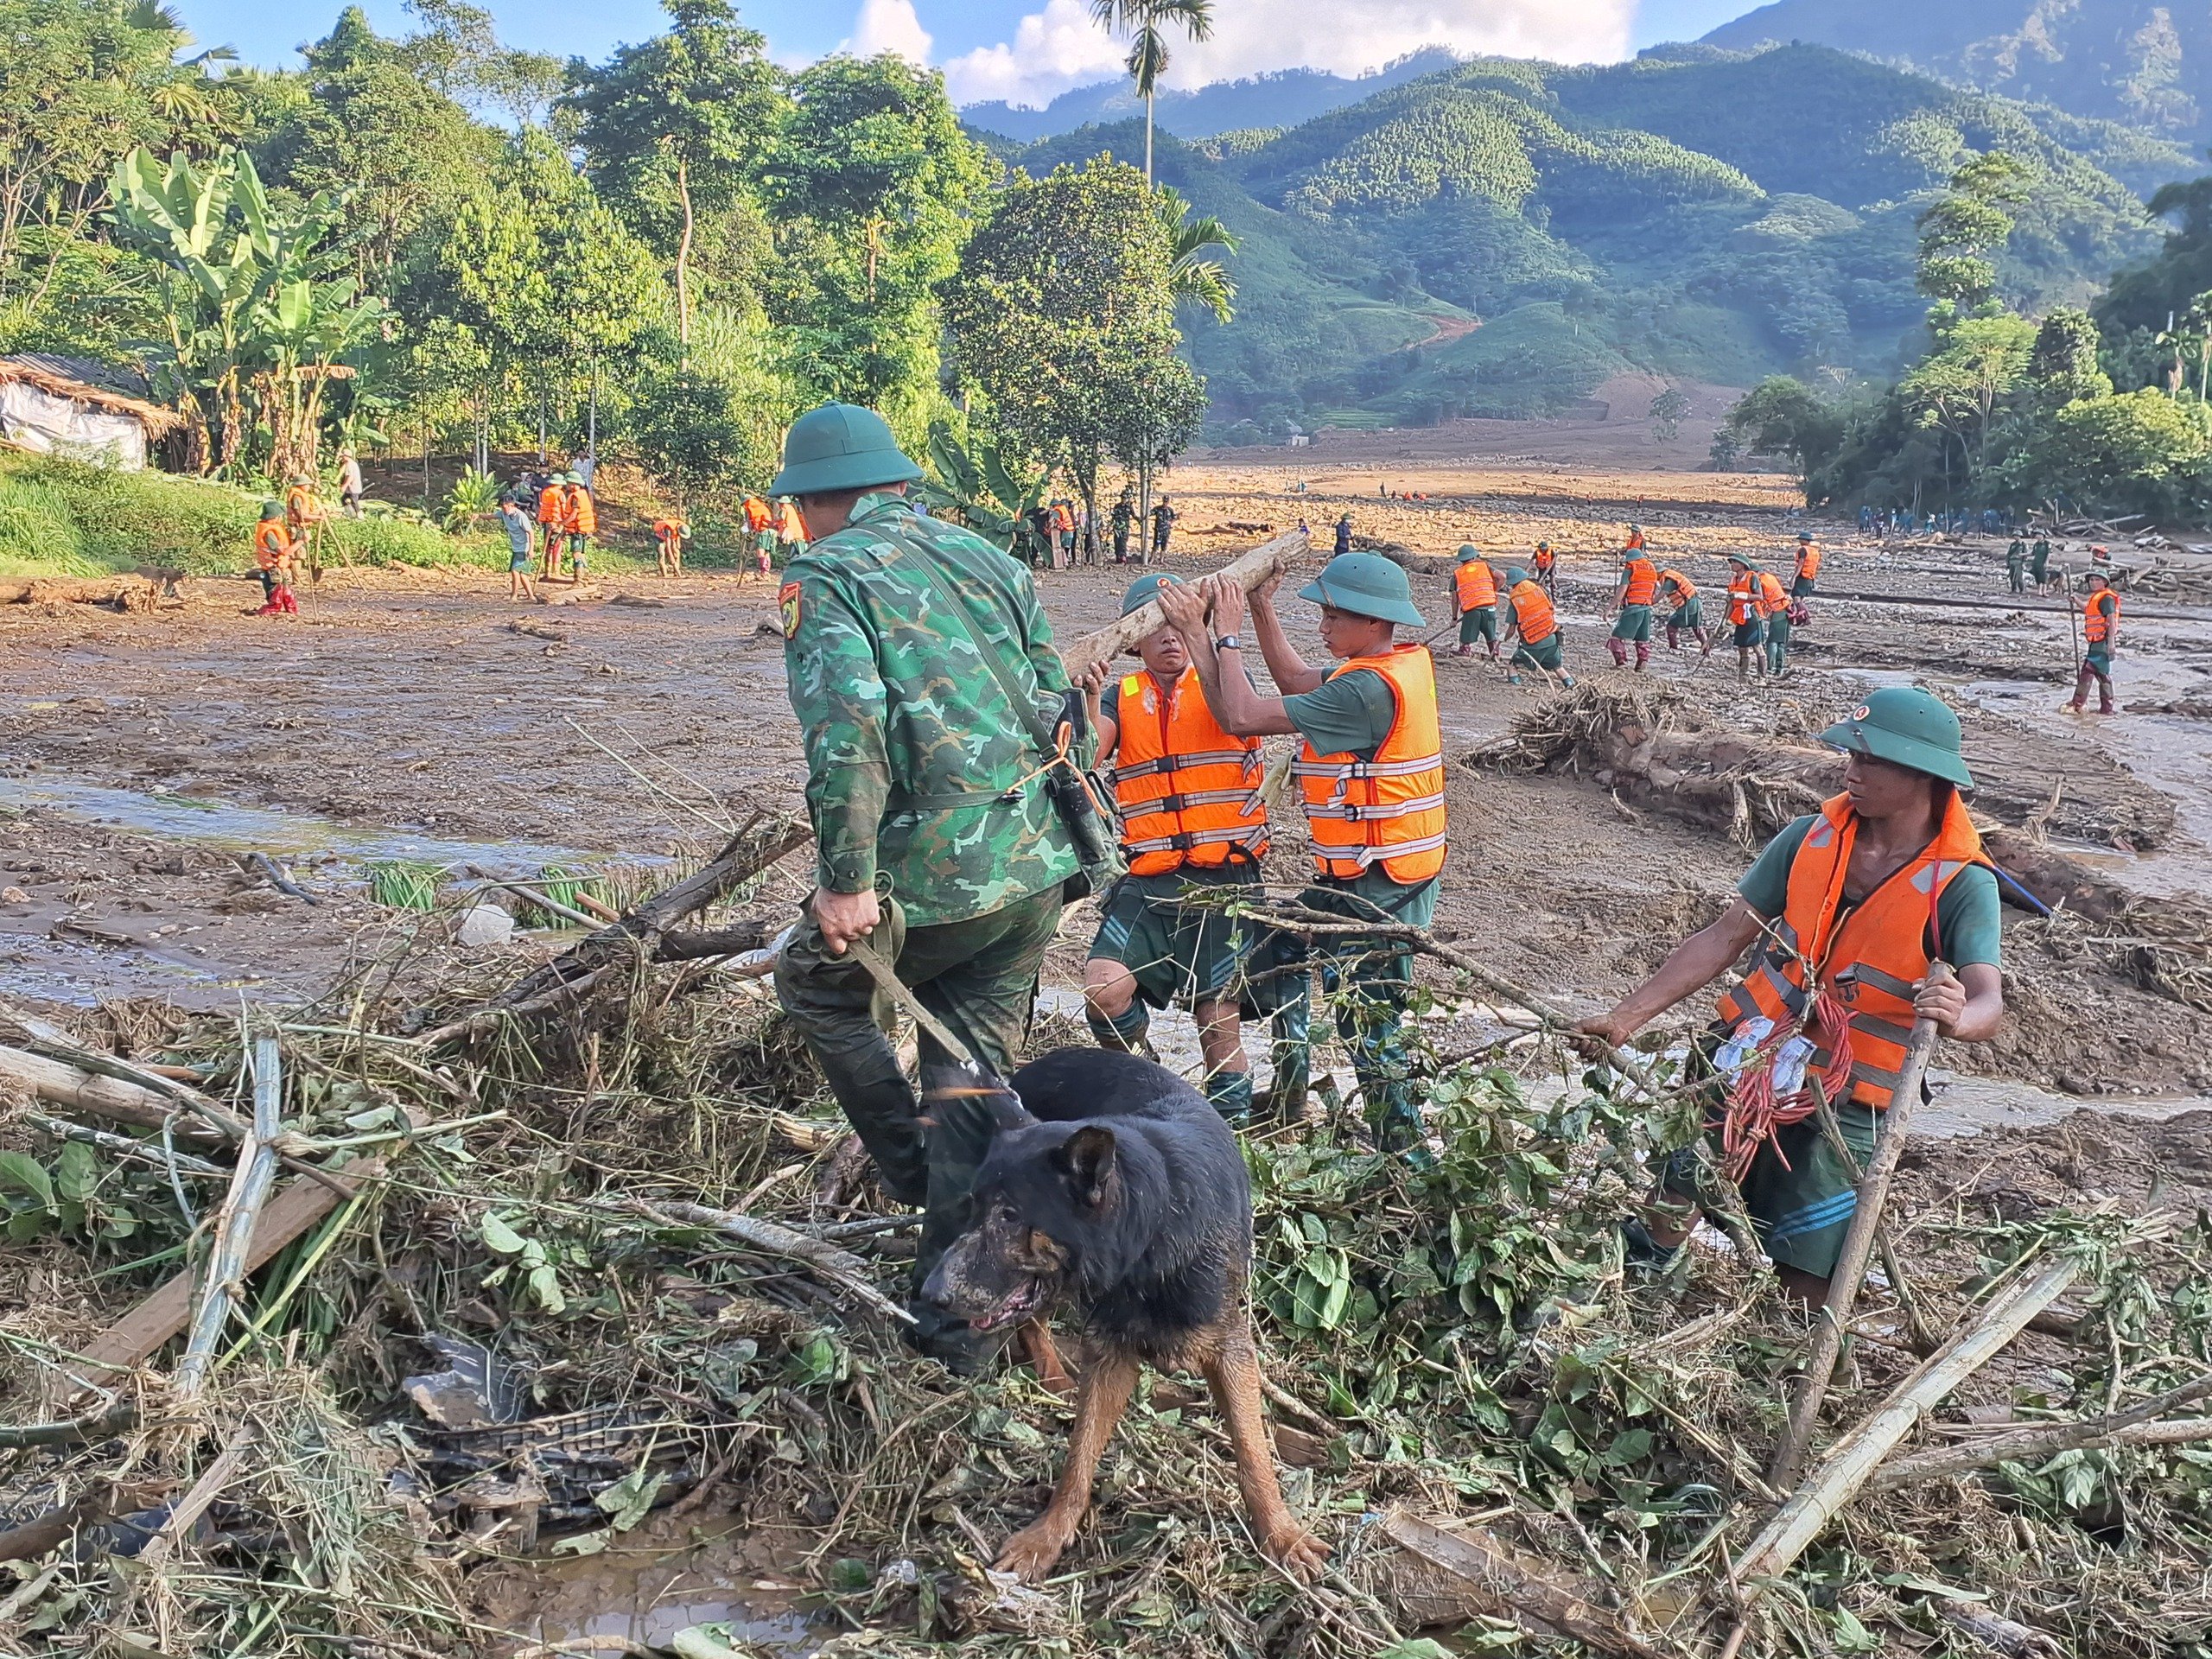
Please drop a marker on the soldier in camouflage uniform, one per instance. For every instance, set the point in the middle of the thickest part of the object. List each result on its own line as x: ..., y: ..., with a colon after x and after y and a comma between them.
x: 936, y: 839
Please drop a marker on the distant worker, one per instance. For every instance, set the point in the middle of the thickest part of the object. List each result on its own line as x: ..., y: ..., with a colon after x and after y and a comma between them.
x: 2039, y: 564
x: 514, y: 517
x: 1192, y: 820
x: 759, y: 523
x: 581, y: 519
x: 1163, y: 525
x: 304, y: 515
x: 1373, y: 778
x: 1124, y: 517
x: 273, y: 560
x: 1064, y: 531
x: 1635, y: 542
x: 1344, y: 535
x: 1474, y: 589
x: 790, y: 530
x: 1685, y: 610
x: 1851, y: 915
x: 1639, y: 587
x: 552, y: 521
x: 1546, y: 566
x: 669, y: 532
x: 349, y: 482
x: 1536, y: 624
x: 1746, y: 616
x: 1808, y: 579
x: 1774, y: 607
x: 2016, y: 566
x: 2101, y: 630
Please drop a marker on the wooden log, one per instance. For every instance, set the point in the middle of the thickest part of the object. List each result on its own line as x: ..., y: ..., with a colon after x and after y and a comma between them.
x: 1851, y: 1260
x: 1852, y: 1461
x: 132, y: 593
x: 59, y: 1084
x: 1461, y: 1573
x: 1247, y: 570
x: 235, y: 1225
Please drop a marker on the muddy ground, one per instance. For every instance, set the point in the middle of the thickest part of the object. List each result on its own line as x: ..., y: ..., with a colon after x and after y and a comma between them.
x: 420, y: 715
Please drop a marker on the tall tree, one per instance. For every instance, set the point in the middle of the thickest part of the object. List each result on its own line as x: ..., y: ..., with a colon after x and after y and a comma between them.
x: 673, y: 129
x: 1963, y: 227
x: 1146, y: 21
x: 1191, y: 274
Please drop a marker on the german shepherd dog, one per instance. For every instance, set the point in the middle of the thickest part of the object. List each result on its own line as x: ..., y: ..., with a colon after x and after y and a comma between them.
x: 1111, y: 1183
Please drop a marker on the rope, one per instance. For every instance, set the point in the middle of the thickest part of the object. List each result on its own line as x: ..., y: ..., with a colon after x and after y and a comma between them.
x: 1756, y: 1112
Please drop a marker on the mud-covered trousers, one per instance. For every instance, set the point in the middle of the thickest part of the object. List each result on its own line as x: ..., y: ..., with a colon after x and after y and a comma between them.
x: 979, y: 976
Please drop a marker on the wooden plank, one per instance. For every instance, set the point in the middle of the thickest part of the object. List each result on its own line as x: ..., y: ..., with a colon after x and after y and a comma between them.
x: 138, y: 1335
x: 1247, y: 570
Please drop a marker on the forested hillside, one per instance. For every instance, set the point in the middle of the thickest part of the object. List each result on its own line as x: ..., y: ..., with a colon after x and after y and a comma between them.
x: 2146, y: 62
x: 1704, y: 214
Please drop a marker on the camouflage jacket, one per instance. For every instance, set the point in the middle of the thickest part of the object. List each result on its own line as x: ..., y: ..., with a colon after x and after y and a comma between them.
x: 910, y: 742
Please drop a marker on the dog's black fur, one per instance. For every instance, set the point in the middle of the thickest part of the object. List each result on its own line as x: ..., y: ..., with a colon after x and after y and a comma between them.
x: 1133, y: 1175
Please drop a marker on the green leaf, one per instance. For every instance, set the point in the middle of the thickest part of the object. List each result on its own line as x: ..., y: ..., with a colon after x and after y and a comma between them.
x: 584, y: 1543
x: 1416, y: 1647
x: 76, y: 1172
x: 545, y: 1286
x: 26, y: 1175
x: 497, y: 1236
x: 629, y: 1499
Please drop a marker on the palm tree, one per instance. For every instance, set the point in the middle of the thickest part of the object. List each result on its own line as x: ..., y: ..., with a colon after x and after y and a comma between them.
x: 1190, y: 277
x: 1142, y: 21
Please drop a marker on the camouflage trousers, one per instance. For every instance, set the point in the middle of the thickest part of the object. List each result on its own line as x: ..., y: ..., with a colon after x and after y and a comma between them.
x: 979, y: 977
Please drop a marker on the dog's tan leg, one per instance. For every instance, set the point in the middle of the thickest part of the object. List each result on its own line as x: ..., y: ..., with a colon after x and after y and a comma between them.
x: 1044, y: 1359
x: 1231, y: 1365
x: 1108, y: 1382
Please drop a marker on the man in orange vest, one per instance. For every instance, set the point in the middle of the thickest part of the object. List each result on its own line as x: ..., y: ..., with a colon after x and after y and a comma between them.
x: 1474, y: 590
x: 669, y: 533
x: 1639, y: 587
x: 2101, y: 628
x: 273, y: 560
x: 1808, y: 579
x: 1773, y: 609
x: 580, y: 518
x: 759, y: 528
x: 1686, y: 610
x: 553, y: 520
x: 1746, y: 614
x: 304, y: 515
x: 1191, y: 820
x: 1850, y: 915
x: 1536, y: 624
x: 1372, y: 774
x: 1546, y: 566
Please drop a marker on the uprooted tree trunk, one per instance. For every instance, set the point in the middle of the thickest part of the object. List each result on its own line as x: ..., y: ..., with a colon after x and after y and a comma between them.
x: 132, y: 593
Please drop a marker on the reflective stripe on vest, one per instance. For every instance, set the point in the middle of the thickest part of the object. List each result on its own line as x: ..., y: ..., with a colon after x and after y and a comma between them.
x: 1869, y: 961
x: 1189, y: 792
x: 1743, y: 599
x: 1477, y: 585
x: 2098, y: 616
x: 1533, y: 613
x: 1390, y: 809
x: 1641, y: 579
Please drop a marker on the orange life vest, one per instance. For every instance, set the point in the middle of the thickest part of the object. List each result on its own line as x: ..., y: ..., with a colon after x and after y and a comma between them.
x: 1871, y: 959
x: 2099, y: 612
x: 549, y: 511
x: 1685, y: 589
x: 757, y: 517
x: 1633, y: 542
x: 1477, y: 584
x: 1743, y: 598
x: 582, y: 514
x: 1641, y: 582
x: 1533, y: 614
x: 1544, y: 558
x: 1390, y: 809
x: 1808, y: 561
x: 272, y: 545
x: 301, y: 508
x: 669, y: 530
x: 1773, y: 597
x: 1189, y: 792
x: 789, y: 525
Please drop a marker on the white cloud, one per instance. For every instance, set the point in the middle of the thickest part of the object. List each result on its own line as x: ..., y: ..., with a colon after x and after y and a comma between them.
x: 1060, y: 46
x: 888, y: 26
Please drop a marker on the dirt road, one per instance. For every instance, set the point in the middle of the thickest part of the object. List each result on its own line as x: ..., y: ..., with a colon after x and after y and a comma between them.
x: 404, y: 715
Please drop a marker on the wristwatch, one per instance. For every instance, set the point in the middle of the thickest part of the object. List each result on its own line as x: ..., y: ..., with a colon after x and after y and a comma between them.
x: 1229, y: 642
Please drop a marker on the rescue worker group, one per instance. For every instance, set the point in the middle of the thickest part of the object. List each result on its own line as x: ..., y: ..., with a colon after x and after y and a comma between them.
x: 954, y: 777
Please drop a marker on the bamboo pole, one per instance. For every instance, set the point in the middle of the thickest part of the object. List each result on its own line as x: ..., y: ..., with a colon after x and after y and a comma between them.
x: 2138, y: 1426
x: 1247, y: 571
x: 1851, y: 1264
x: 256, y: 1174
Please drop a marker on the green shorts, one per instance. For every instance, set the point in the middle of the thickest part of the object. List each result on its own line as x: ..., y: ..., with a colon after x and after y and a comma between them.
x: 1799, y: 1194
x: 1481, y: 623
x: 1635, y: 624
x: 1749, y: 633
x: 1692, y: 615
x: 1545, y: 653
x: 1179, y: 953
x: 2098, y: 660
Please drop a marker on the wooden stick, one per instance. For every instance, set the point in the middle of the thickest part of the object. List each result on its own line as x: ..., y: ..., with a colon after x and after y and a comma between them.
x: 1496, y: 1575
x: 194, y: 1504
x: 257, y: 1172
x: 841, y: 1267
x: 1853, y: 1461
x: 2138, y: 1426
x: 1924, y: 1340
x: 1247, y: 571
x: 59, y: 1083
x: 1851, y: 1262
x: 542, y: 900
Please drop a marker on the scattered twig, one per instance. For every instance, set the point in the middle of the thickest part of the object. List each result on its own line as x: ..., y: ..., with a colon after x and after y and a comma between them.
x: 2139, y: 1424
x: 257, y: 1172
x: 278, y: 879
x: 841, y: 1267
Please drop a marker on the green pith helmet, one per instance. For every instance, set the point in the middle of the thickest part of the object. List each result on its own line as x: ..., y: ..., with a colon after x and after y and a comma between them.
x: 1516, y: 577
x: 1366, y: 584
x: 1543, y: 547
x: 841, y: 446
x: 1634, y: 529
x: 2101, y: 575
x: 1907, y: 727
x: 272, y: 509
x: 1804, y: 534
x: 1738, y: 558
x: 1469, y: 550
x: 1144, y: 589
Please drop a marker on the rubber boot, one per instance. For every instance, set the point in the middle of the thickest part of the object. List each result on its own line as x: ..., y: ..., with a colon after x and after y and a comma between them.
x: 1128, y: 1031
x: 2104, y: 703
x: 1673, y: 636
x: 1464, y: 650
x: 1620, y: 652
x: 2082, y: 689
x: 1230, y: 1093
x: 1291, y: 1050
x: 291, y: 601
x: 1642, y: 655
x: 957, y: 1145
x: 1566, y: 679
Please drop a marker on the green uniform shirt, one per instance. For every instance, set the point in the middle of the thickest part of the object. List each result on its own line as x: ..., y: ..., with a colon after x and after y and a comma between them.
x: 1969, y: 917
x: 1352, y: 714
x: 911, y: 741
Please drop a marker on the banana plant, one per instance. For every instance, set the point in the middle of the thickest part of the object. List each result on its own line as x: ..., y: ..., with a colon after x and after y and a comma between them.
x: 977, y: 479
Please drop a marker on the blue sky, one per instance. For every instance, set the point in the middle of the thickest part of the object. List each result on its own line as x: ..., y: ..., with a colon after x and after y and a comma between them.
x: 1030, y: 49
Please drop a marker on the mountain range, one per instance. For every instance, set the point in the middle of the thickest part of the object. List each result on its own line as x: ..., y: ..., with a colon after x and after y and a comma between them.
x: 1499, y: 237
